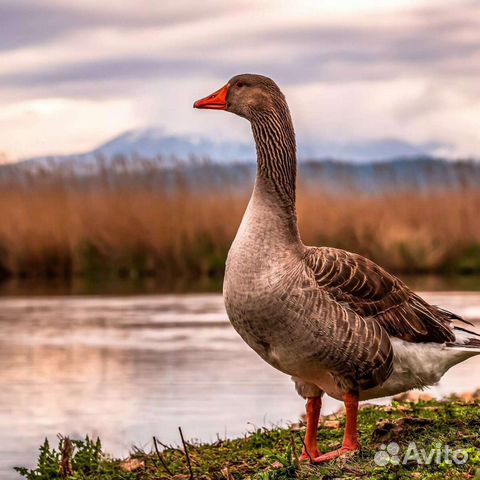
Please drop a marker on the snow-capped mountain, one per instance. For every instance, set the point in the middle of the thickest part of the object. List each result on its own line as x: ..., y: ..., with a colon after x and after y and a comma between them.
x: 368, y: 166
x: 153, y: 143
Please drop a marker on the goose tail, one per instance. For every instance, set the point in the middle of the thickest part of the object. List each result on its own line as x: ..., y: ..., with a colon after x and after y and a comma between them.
x: 465, y: 341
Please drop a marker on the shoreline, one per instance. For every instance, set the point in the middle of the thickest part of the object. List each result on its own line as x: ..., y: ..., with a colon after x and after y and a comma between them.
x: 453, y: 423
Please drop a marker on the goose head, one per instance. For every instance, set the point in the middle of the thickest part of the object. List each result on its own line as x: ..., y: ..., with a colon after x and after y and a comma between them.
x: 247, y: 95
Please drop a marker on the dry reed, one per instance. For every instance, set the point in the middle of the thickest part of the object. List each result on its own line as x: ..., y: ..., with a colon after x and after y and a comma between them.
x: 57, y: 224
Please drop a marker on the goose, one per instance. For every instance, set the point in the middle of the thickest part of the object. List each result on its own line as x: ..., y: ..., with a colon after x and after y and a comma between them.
x: 334, y: 321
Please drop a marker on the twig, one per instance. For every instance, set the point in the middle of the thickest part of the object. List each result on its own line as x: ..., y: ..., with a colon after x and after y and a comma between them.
x: 185, y: 448
x: 168, y: 447
x: 294, y: 451
x: 305, y: 448
x: 159, y: 456
x: 355, y: 471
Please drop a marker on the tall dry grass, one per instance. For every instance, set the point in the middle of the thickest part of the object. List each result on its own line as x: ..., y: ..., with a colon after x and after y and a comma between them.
x: 60, y: 224
x: 405, y: 231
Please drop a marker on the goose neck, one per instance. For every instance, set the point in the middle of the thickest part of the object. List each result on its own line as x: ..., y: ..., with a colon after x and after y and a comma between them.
x: 276, y: 154
x: 275, y: 185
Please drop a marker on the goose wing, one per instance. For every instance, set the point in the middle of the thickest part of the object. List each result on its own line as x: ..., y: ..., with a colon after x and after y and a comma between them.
x: 374, y: 294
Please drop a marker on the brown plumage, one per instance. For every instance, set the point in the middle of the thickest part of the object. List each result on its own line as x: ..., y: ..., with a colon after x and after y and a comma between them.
x: 373, y: 293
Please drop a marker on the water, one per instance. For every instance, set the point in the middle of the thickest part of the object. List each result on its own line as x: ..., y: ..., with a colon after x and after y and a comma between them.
x: 128, y: 368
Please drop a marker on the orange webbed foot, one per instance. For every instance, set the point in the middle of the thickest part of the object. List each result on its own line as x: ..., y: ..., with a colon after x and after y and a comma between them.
x: 341, y: 452
x: 305, y: 457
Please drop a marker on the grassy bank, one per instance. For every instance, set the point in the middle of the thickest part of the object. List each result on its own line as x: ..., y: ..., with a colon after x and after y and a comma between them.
x: 454, y: 423
x: 151, y: 224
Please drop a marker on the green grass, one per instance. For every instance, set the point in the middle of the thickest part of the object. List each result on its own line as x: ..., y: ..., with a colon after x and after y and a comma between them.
x: 428, y: 424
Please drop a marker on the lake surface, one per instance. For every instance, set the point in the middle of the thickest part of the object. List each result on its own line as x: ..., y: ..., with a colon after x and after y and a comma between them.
x: 128, y: 368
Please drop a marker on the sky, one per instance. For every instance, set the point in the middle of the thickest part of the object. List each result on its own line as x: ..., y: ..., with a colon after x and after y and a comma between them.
x: 74, y: 73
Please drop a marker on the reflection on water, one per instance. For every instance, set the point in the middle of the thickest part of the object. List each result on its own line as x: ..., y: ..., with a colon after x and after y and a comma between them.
x: 106, y: 285
x: 127, y: 368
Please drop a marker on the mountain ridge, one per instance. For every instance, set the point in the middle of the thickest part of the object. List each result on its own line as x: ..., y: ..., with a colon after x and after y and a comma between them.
x: 155, y: 142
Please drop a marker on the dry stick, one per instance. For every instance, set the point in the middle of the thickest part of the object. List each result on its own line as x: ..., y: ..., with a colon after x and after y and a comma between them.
x: 168, y: 447
x: 305, y: 448
x: 294, y: 450
x: 185, y: 448
x: 159, y: 455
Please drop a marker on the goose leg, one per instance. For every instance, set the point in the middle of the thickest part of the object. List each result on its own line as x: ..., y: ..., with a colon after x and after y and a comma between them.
x: 350, y: 438
x: 310, y: 450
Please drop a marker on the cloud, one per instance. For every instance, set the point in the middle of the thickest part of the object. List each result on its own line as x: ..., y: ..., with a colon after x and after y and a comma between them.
x: 371, y: 71
x: 36, y: 21
x: 425, y: 42
x: 52, y: 125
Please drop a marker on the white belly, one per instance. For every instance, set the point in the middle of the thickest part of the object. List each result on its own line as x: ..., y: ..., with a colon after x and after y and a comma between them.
x: 415, y: 365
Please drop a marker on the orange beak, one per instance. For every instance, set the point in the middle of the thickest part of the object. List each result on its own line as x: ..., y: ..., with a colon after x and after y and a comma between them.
x: 216, y: 101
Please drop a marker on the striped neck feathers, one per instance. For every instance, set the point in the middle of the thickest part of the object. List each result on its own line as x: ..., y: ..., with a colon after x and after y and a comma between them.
x: 276, y: 153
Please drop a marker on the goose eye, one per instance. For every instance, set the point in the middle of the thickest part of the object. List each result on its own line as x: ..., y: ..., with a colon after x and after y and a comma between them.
x: 239, y: 84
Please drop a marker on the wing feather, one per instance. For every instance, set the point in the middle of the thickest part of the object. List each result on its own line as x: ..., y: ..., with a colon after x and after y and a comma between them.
x: 378, y: 296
